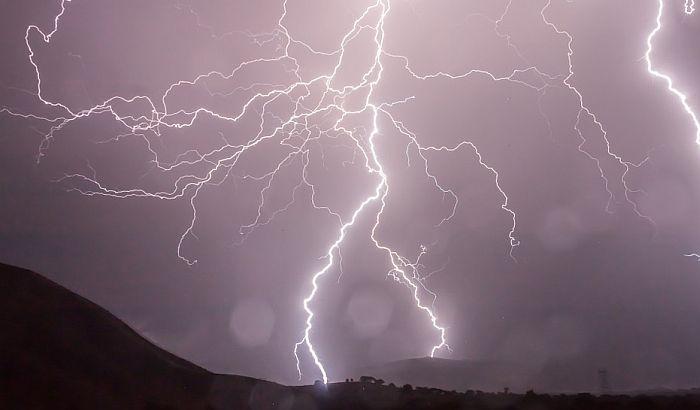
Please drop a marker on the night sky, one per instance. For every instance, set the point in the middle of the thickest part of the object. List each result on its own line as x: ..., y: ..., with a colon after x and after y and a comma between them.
x: 117, y: 198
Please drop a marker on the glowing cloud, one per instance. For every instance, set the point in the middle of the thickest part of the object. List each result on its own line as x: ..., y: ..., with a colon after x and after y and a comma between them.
x: 314, y: 100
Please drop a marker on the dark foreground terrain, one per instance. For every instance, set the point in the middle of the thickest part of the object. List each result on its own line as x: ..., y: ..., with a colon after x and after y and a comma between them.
x: 61, y: 351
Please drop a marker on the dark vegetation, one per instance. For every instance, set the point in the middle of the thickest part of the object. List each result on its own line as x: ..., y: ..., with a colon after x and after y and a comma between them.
x: 61, y: 351
x: 372, y: 396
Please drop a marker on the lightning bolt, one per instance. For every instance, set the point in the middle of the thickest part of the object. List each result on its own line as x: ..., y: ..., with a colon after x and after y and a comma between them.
x: 670, y: 86
x: 682, y: 98
x: 322, y: 111
x: 400, y: 265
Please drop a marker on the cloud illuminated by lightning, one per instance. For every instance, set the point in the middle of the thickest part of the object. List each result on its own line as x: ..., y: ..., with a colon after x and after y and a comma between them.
x: 321, y: 113
x: 223, y: 159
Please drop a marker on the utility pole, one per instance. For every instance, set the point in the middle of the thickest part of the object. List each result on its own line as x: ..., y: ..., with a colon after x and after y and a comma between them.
x: 604, y: 382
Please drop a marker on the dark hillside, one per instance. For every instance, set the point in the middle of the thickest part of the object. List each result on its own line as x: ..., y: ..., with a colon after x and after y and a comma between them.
x: 61, y: 351
x: 57, y: 347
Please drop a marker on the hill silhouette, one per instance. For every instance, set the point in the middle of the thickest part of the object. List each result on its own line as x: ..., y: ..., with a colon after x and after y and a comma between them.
x: 60, y: 351
x: 449, y: 374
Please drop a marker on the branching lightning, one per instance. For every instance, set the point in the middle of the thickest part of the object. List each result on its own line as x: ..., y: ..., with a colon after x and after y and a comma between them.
x: 297, y: 133
x: 321, y: 113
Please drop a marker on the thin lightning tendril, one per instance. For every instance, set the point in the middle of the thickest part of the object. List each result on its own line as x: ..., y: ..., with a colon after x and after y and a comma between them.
x: 585, y: 112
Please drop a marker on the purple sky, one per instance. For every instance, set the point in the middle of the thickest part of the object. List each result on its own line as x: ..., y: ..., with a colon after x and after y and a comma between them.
x: 596, y: 283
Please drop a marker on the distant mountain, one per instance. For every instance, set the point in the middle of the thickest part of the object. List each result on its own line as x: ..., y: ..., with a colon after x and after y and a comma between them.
x: 61, y: 351
x: 489, y: 376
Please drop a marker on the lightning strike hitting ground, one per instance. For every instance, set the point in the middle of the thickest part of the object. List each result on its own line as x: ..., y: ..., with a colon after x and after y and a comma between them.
x: 320, y: 113
x: 226, y: 157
